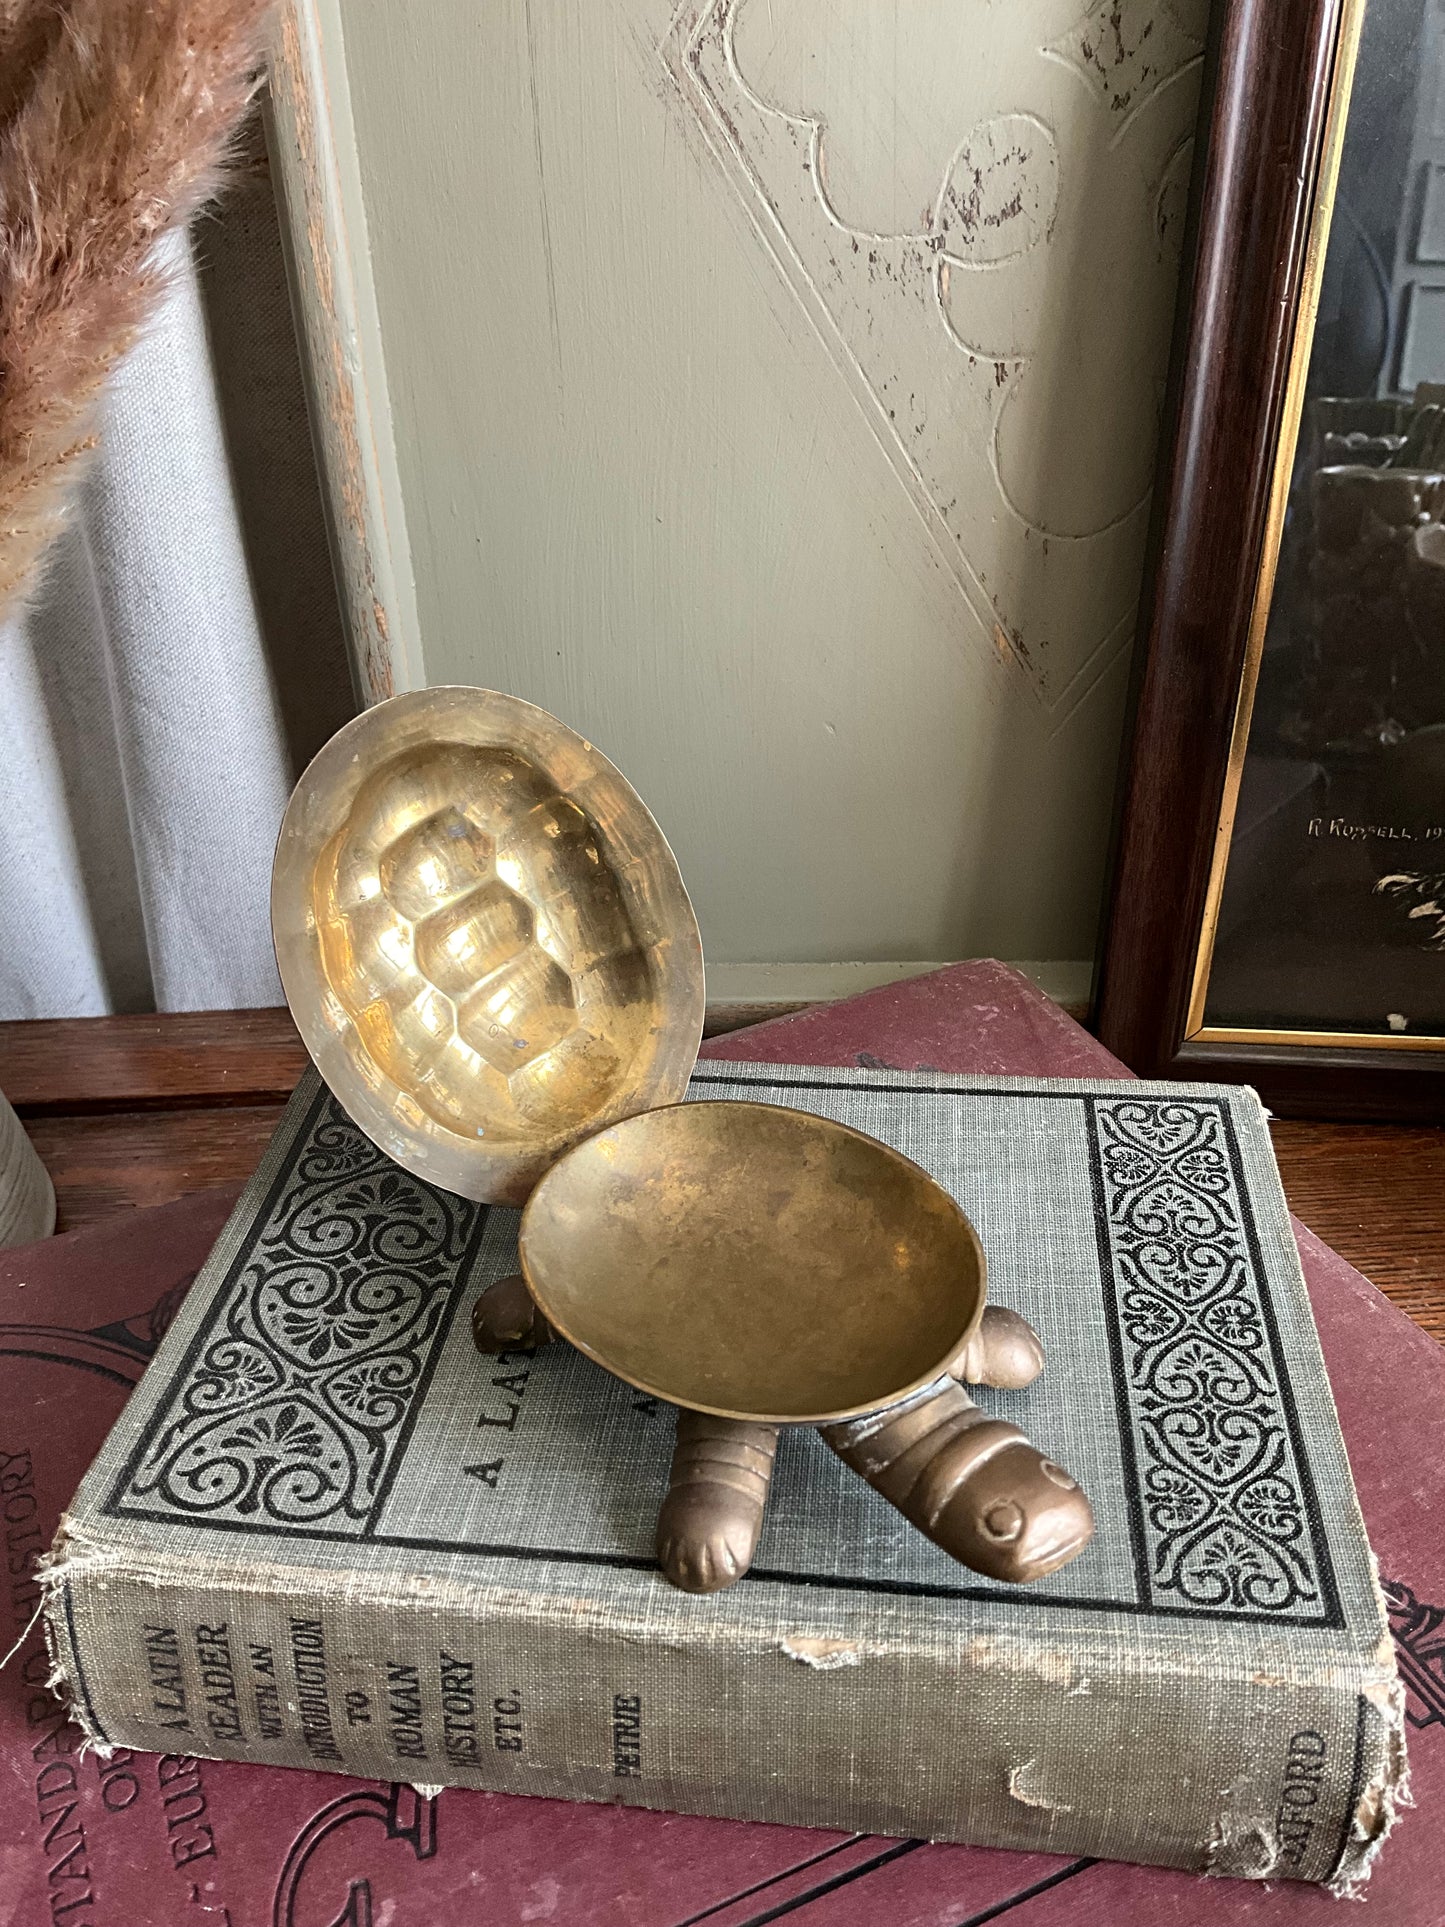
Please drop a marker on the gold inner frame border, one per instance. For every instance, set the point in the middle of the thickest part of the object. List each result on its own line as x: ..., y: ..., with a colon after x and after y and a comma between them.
x: 1196, y: 1031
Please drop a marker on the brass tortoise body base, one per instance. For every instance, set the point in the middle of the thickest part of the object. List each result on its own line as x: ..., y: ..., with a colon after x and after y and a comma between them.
x: 972, y: 1483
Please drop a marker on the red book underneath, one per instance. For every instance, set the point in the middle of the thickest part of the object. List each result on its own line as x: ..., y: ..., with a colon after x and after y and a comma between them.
x: 145, y: 1840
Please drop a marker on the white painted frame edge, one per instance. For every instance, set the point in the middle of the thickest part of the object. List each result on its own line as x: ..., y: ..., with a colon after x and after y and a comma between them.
x: 318, y: 189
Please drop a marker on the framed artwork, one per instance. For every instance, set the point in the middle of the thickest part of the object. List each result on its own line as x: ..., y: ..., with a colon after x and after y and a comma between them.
x: 1277, y: 898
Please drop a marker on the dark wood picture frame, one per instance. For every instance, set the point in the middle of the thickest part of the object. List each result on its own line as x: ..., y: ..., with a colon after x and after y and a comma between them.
x: 1266, y: 131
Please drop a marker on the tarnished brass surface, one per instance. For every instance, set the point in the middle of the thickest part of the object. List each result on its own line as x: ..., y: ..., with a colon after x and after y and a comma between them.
x: 761, y: 1267
x: 974, y: 1484
x: 483, y: 937
x: 754, y: 1262
x: 1004, y: 1351
x: 506, y: 1319
x: 707, y: 1530
x: 1009, y: 1514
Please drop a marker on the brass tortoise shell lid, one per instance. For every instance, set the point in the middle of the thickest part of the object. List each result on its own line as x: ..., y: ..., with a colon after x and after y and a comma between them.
x: 483, y: 937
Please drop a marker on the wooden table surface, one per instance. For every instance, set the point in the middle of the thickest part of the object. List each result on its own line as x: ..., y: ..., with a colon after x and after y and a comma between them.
x: 140, y: 1110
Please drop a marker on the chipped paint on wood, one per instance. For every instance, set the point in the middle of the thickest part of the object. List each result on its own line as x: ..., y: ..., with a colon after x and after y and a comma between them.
x: 367, y: 534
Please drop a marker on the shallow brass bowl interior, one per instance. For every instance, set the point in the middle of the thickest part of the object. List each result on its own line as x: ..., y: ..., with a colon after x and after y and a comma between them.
x: 754, y: 1261
x: 483, y: 937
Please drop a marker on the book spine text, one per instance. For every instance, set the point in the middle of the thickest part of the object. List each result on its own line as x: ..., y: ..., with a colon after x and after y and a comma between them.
x: 998, y: 1740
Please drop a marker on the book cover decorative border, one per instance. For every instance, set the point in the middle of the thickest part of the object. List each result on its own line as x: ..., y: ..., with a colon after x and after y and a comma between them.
x: 1229, y: 1517
x: 292, y: 1407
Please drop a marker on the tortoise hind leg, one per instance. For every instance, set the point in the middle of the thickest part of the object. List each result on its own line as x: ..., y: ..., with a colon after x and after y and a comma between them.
x: 506, y: 1319
x: 707, y: 1530
x: 1004, y: 1352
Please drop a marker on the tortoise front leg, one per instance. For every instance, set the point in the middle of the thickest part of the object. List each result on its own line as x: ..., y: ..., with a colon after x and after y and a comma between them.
x: 707, y: 1530
x: 973, y: 1484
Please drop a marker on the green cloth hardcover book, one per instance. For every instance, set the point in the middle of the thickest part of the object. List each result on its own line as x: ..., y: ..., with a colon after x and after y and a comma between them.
x: 327, y: 1533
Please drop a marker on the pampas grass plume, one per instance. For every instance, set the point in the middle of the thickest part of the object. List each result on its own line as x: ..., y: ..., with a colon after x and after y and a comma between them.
x: 115, y: 121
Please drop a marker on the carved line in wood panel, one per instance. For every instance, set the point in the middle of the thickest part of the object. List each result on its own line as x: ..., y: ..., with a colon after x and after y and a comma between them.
x: 1009, y: 359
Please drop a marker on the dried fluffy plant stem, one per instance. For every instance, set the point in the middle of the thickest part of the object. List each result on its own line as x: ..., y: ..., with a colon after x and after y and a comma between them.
x: 115, y: 117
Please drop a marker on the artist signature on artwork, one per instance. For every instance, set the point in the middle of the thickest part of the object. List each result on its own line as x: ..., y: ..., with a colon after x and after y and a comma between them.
x: 1344, y: 831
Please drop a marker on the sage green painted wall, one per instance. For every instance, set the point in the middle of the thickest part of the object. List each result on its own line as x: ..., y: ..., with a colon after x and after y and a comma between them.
x: 774, y: 390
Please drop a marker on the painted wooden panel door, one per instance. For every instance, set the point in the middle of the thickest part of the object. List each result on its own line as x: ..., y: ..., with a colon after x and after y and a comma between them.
x: 775, y: 388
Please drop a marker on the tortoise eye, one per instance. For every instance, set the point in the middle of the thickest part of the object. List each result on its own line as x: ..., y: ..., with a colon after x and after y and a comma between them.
x: 1004, y: 1521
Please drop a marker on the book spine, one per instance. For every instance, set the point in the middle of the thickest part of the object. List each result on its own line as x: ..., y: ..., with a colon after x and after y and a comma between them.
x: 995, y: 1740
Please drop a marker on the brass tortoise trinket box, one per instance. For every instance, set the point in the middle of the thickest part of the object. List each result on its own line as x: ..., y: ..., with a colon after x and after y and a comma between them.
x: 489, y: 952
